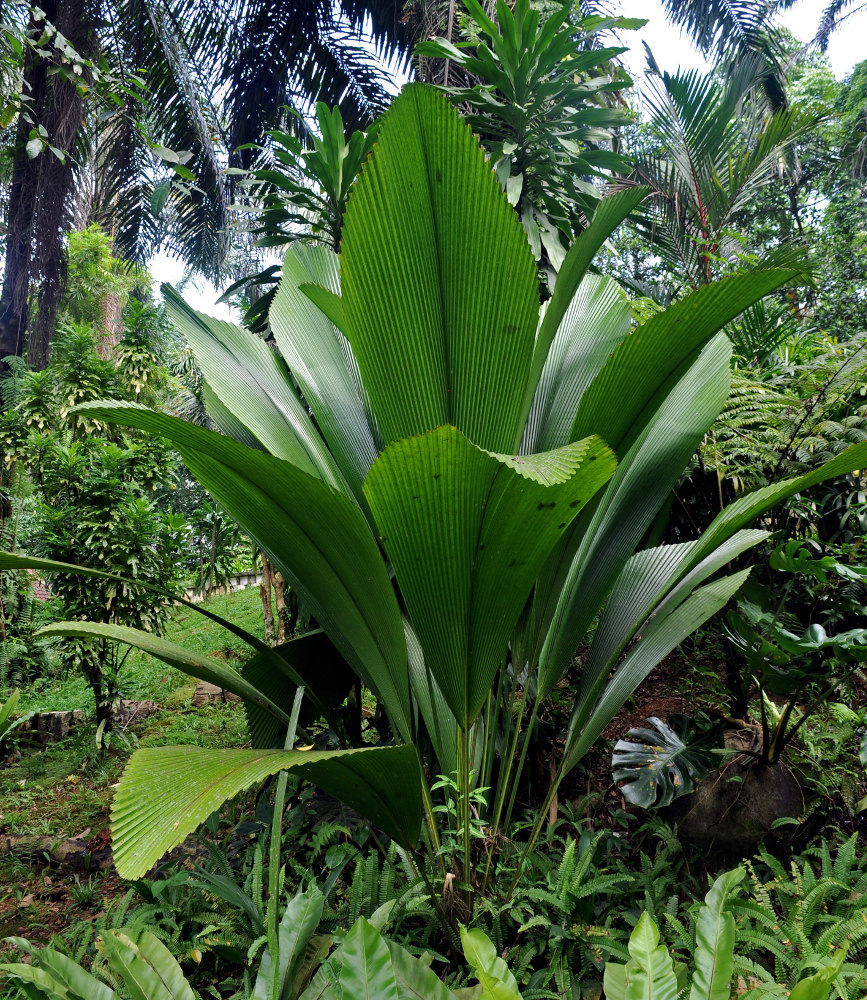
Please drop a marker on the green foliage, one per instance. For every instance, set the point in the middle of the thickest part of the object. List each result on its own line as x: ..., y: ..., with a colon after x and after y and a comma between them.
x: 453, y: 436
x: 560, y: 923
x: 299, y: 194
x: 143, y: 965
x: 23, y: 656
x: 139, y: 354
x: 660, y: 764
x: 790, y: 663
x: 7, y: 723
x: 798, y: 916
x: 651, y: 973
x: 98, y: 284
x: 364, y: 965
x: 709, y: 146
x: 94, y: 488
x: 543, y: 104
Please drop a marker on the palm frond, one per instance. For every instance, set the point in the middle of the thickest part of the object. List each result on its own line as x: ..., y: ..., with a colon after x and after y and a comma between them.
x: 734, y: 30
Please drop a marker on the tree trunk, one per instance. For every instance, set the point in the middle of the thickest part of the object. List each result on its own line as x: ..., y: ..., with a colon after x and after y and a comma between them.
x: 40, y: 189
x: 111, y: 323
x: 293, y: 609
x: 210, y: 586
x: 265, y: 592
x: 284, y: 630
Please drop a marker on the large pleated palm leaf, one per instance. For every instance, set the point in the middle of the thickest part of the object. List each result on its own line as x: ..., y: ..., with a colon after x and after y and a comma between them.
x: 464, y: 487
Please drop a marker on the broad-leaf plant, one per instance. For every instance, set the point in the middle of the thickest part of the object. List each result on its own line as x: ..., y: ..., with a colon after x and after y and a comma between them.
x: 461, y: 493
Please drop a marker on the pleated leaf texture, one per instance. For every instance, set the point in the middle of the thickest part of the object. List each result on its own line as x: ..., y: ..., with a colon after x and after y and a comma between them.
x: 438, y: 282
x: 166, y: 792
x: 491, y: 458
x: 468, y: 533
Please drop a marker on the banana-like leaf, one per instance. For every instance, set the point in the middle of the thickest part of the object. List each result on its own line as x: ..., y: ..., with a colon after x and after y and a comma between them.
x: 42, y: 983
x: 6, y: 710
x: 818, y: 987
x: 467, y: 533
x: 166, y: 792
x: 614, y: 981
x: 415, y: 980
x: 660, y: 764
x: 314, y: 662
x: 194, y: 664
x: 145, y: 966
x: 495, y: 979
x: 322, y: 363
x: 297, y: 926
x: 438, y: 281
x: 52, y: 974
x: 7, y: 723
x: 649, y: 974
x: 250, y: 379
x: 715, y: 941
x: 316, y: 536
x: 366, y: 972
x: 404, y: 977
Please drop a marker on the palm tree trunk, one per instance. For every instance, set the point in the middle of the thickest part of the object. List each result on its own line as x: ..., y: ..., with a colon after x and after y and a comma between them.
x: 39, y: 197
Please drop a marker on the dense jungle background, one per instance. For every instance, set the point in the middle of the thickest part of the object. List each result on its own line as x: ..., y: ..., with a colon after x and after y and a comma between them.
x: 467, y: 600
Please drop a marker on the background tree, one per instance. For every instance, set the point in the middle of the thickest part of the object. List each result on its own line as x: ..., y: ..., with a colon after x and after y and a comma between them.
x: 93, y: 491
x: 215, y: 77
x: 544, y: 95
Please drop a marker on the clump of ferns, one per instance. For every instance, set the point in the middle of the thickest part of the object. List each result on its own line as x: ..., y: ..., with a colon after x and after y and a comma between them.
x: 795, y: 916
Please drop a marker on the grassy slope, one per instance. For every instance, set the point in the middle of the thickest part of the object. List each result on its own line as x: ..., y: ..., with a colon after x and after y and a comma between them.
x: 64, y: 787
x: 143, y: 677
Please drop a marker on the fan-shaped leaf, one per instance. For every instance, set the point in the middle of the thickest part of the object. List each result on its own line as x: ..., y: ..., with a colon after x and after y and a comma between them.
x: 467, y: 533
x: 166, y: 792
x: 439, y: 285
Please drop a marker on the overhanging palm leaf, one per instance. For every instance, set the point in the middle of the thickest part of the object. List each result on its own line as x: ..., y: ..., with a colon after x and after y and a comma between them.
x: 166, y: 792
x: 736, y: 30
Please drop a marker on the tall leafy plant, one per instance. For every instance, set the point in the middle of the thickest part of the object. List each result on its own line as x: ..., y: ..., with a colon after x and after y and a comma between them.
x: 298, y: 193
x: 507, y: 464
x: 542, y: 93
x: 709, y: 147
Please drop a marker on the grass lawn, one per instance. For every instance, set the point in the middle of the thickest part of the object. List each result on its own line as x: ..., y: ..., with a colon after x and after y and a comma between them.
x: 144, y: 678
x: 63, y: 788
